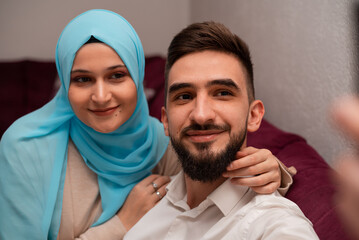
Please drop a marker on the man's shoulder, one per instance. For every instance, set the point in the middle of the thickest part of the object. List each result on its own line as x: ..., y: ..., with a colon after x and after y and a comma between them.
x: 267, y: 204
x: 256, y: 216
x: 273, y: 199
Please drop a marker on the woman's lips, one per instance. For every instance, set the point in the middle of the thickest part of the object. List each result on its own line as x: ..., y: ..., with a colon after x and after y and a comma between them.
x: 104, y: 112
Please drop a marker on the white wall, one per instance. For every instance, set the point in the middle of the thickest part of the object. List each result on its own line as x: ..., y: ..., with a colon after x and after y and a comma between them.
x: 303, y: 54
x: 30, y: 28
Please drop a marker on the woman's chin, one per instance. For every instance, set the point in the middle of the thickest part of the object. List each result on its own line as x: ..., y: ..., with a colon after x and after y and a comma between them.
x: 106, y: 129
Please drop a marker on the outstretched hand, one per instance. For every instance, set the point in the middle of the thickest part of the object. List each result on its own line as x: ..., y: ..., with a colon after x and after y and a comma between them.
x: 345, y: 114
x: 257, y: 169
x: 144, y: 196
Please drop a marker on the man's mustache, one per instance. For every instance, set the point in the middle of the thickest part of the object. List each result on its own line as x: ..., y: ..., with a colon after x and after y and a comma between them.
x: 199, y: 127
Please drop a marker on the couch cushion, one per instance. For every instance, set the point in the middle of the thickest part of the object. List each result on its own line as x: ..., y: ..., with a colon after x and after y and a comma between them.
x: 154, y: 84
x: 40, y: 78
x: 12, y: 93
x: 25, y: 86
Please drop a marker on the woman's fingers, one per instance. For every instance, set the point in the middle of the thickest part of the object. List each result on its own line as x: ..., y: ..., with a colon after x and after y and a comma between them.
x: 158, y: 187
x: 154, y: 182
x: 144, y: 195
x: 255, y: 181
x: 159, y: 193
x: 255, y: 168
x: 257, y: 162
x: 248, y: 157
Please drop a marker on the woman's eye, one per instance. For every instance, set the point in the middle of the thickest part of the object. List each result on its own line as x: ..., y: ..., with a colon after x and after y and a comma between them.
x: 117, y: 75
x: 81, y: 79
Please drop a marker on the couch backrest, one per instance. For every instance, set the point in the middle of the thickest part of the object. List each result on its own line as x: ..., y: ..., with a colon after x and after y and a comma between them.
x: 312, y: 189
x: 25, y: 86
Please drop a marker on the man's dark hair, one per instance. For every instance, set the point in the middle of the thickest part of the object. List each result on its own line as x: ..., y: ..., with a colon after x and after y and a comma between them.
x: 203, y: 36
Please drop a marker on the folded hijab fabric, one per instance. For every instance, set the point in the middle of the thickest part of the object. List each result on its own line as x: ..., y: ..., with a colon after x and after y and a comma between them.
x: 33, y: 151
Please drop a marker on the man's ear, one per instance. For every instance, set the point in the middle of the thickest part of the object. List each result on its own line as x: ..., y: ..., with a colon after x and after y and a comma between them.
x: 164, y: 120
x: 255, y: 115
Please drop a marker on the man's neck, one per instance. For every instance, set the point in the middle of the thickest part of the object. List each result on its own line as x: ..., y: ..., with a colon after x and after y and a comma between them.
x: 198, y: 191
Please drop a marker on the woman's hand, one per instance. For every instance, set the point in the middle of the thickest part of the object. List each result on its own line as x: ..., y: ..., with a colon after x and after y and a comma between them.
x: 142, y: 198
x: 257, y: 169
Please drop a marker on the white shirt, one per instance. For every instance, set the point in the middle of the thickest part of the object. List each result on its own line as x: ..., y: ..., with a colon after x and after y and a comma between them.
x: 229, y: 212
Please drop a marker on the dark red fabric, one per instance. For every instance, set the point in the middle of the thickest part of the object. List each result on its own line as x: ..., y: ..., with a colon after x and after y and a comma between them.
x: 40, y: 78
x: 312, y: 189
x: 154, y: 80
x: 28, y: 85
x: 25, y: 86
x: 12, y: 93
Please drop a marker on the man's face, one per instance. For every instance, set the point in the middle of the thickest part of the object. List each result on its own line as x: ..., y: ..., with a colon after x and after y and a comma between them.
x: 207, y: 110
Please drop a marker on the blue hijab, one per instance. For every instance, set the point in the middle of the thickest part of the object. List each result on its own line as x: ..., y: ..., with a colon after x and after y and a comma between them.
x: 33, y: 151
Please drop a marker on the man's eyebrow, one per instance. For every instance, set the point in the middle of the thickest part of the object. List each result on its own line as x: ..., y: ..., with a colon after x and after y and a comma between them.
x: 177, y: 86
x: 109, y: 68
x: 225, y: 82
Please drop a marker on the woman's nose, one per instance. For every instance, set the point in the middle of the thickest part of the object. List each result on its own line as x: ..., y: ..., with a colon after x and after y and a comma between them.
x: 101, y: 93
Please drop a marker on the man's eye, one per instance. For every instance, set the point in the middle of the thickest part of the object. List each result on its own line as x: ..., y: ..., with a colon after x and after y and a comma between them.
x: 224, y: 93
x: 184, y: 97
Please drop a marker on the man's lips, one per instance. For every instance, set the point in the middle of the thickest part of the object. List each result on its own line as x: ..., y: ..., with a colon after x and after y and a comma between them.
x: 104, y: 111
x: 203, y: 135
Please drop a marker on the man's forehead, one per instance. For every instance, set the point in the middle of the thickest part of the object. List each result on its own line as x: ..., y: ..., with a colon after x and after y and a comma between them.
x: 206, y: 66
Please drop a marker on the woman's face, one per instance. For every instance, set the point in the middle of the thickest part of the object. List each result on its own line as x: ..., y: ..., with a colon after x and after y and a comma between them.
x: 102, y: 93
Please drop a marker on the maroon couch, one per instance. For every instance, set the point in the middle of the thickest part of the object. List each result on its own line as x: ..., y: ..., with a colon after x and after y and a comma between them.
x: 312, y: 189
x: 27, y: 85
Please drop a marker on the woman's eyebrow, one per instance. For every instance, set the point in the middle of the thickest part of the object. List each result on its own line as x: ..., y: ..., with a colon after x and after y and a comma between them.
x: 79, y: 71
x: 117, y: 66
x: 109, y: 68
x: 225, y: 82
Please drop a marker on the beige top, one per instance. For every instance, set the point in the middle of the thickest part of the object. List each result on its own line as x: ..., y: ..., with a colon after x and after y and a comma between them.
x: 82, y: 201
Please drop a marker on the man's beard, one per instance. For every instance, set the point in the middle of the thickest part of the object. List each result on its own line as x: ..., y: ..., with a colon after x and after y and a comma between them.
x: 208, y: 166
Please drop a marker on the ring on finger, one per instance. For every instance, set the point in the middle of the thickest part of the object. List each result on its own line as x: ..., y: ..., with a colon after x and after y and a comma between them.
x: 159, y: 194
x: 155, y: 186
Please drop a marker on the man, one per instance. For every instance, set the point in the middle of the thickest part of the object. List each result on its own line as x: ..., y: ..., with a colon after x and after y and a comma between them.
x: 209, y: 107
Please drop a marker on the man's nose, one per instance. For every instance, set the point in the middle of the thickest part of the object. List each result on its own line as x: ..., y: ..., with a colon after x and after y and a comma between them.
x: 101, y: 92
x: 202, y: 111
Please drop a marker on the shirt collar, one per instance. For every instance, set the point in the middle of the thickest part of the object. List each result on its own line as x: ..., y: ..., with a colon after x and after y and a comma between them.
x: 225, y: 197
x: 176, y: 191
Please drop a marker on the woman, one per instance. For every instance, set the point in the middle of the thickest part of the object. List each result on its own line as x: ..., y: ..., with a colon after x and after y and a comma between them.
x: 67, y: 168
